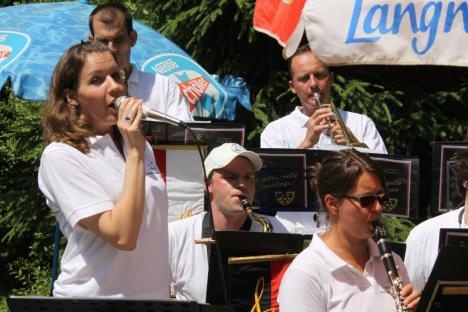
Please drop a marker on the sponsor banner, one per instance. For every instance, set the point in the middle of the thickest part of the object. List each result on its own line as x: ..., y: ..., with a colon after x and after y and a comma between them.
x: 12, y: 45
x: 416, y: 32
x: 205, y: 96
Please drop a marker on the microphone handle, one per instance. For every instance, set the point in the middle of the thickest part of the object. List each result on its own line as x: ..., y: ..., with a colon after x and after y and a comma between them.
x: 148, y: 112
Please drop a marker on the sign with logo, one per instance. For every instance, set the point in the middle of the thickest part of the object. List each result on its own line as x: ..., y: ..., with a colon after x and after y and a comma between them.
x: 285, y: 182
x: 408, y: 32
x: 204, y: 95
x: 12, y: 45
x: 445, y: 196
x: 398, y: 182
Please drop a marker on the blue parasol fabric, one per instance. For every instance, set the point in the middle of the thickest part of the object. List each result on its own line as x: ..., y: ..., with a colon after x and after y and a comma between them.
x: 34, y: 36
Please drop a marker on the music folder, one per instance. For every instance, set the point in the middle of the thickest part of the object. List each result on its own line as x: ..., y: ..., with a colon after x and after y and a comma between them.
x: 45, y: 304
x: 447, y: 286
x: 239, y: 258
x: 453, y: 237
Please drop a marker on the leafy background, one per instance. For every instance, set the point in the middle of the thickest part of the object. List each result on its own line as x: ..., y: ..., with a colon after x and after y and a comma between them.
x: 411, y: 106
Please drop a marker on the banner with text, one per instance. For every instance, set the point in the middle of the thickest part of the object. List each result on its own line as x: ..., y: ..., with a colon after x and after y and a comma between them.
x: 407, y: 32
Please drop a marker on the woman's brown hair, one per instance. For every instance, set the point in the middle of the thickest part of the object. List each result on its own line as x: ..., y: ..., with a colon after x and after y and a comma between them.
x: 339, y: 171
x: 63, y: 122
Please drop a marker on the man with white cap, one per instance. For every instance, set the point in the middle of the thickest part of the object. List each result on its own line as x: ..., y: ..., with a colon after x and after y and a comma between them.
x: 230, y: 171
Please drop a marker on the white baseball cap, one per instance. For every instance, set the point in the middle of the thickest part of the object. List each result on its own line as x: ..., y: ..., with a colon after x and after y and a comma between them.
x: 221, y: 156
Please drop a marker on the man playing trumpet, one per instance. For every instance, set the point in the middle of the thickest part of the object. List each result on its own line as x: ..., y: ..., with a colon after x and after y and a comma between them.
x: 312, y: 125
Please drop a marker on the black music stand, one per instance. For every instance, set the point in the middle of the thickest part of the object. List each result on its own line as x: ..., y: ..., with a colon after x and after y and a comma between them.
x: 453, y: 237
x: 230, y: 284
x: 447, y: 287
x: 51, y: 304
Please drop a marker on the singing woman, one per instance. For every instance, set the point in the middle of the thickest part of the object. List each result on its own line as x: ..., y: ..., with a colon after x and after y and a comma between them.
x: 341, y: 270
x: 100, y: 179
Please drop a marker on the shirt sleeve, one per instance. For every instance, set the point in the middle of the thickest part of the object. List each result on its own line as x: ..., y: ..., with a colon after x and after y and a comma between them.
x: 70, y: 187
x: 413, y: 263
x: 372, y: 137
x: 270, y: 138
x: 301, y: 293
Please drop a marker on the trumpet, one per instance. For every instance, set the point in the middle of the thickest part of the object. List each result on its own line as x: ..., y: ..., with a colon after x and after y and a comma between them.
x: 262, y: 221
x: 349, y: 137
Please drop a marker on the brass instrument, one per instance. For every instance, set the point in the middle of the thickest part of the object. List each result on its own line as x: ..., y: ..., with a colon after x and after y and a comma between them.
x: 264, y: 222
x: 350, y: 138
x: 386, y: 256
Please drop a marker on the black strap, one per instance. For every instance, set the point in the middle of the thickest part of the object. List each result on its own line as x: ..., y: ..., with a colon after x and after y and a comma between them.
x: 247, y: 225
x: 207, y: 227
x: 460, y: 217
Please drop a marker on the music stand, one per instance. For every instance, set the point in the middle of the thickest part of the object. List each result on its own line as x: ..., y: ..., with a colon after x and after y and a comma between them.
x: 453, y: 237
x: 51, y: 304
x: 230, y: 245
x: 447, y: 286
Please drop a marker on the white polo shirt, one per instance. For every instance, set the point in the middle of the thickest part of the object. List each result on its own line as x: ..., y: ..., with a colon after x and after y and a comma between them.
x: 78, y: 185
x: 158, y: 93
x: 319, y: 280
x: 422, y: 246
x: 290, y: 130
x: 189, y: 261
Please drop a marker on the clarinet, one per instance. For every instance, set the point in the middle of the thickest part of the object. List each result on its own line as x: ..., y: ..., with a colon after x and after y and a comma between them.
x: 380, y: 236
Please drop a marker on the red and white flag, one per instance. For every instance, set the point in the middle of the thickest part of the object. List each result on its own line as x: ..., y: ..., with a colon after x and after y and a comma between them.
x: 277, y: 18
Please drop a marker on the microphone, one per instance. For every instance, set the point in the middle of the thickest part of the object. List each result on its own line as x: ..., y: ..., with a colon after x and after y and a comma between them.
x: 151, y: 113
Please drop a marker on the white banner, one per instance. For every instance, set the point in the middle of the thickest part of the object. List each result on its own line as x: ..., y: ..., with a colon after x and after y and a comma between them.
x: 417, y: 32
x: 182, y: 170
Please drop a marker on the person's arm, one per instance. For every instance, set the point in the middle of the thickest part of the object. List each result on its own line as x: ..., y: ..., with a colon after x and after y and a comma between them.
x: 372, y: 136
x: 413, y: 261
x: 120, y: 225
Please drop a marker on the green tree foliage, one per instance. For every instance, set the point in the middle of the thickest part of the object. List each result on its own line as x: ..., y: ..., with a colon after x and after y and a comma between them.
x: 26, y: 225
x: 220, y: 36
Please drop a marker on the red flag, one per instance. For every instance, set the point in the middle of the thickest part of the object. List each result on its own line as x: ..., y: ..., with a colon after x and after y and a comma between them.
x: 277, y: 18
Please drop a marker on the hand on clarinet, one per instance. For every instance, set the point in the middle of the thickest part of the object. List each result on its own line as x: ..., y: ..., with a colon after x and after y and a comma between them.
x: 410, y: 297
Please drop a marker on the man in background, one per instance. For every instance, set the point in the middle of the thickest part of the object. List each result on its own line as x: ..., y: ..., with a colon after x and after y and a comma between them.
x: 422, y: 244
x: 311, y: 125
x: 112, y: 24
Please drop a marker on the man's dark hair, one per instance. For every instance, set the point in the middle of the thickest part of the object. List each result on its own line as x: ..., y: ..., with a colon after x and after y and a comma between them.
x: 110, y: 13
x: 339, y: 171
x: 305, y: 48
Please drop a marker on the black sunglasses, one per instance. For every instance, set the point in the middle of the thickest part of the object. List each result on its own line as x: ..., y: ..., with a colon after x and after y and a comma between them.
x: 369, y: 199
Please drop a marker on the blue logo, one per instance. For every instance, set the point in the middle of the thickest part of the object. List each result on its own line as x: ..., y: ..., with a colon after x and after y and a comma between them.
x: 12, y: 45
x: 386, y: 19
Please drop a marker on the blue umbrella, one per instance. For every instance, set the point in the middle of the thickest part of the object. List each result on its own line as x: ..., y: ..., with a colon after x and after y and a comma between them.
x: 34, y: 36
